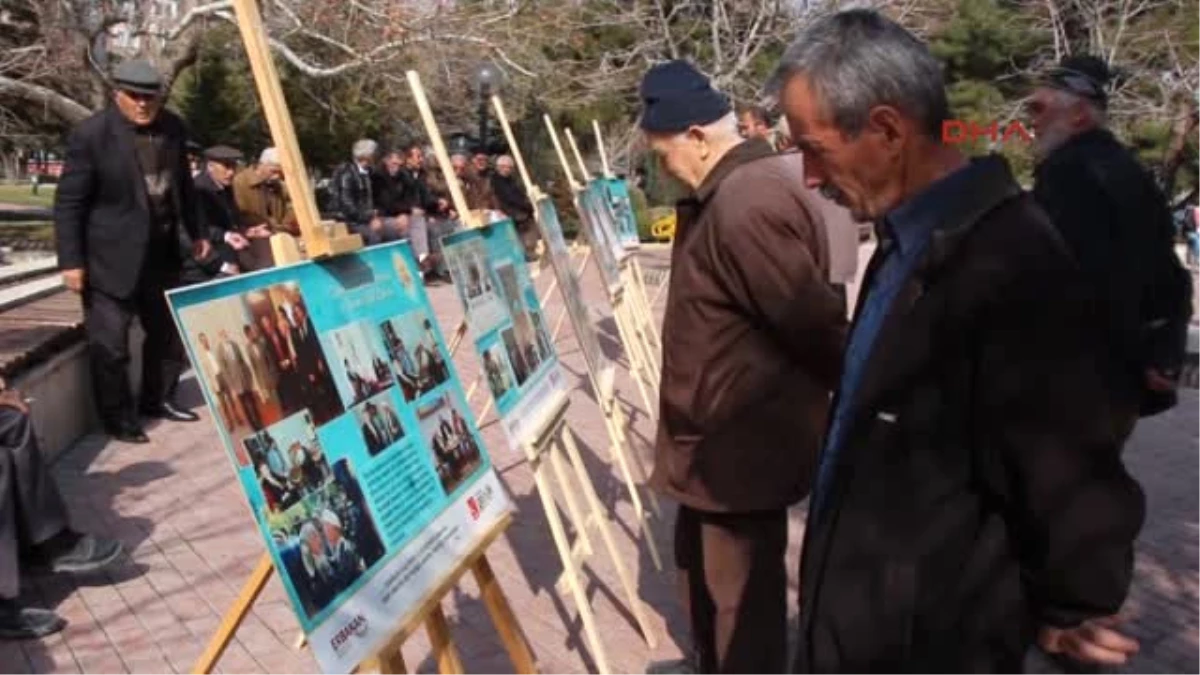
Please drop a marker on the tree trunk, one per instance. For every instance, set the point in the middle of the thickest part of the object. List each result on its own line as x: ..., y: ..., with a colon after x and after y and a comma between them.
x: 1183, y: 128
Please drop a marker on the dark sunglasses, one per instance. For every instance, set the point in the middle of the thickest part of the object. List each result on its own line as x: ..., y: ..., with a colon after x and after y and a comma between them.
x: 140, y: 96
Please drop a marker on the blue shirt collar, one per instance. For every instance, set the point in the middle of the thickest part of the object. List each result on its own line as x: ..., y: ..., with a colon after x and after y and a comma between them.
x: 910, y: 224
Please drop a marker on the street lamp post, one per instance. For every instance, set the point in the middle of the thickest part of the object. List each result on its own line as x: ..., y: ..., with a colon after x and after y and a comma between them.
x: 488, y: 80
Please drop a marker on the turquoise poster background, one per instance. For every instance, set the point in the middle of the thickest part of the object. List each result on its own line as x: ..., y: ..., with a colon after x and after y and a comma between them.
x: 506, y: 322
x: 339, y: 405
x: 622, y: 208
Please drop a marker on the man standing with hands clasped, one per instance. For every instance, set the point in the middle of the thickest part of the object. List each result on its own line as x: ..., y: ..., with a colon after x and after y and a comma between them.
x: 752, y: 340
x: 970, y: 495
x: 124, y: 220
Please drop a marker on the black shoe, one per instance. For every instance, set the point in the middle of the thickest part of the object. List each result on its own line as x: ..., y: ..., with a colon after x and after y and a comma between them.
x: 169, y: 411
x: 27, y: 623
x: 76, y: 553
x: 126, y: 433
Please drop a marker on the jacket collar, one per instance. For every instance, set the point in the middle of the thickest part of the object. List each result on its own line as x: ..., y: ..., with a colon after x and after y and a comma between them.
x: 742, y: 153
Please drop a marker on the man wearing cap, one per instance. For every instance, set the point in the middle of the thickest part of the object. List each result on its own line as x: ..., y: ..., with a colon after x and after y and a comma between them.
x: 219, y: 214
x: 125, y: 219
x: 1118, y: 225
x: 263, y: 209
x: 752, y: 342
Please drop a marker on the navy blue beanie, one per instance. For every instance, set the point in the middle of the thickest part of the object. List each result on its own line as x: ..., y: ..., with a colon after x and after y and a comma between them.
x: 676, y: 96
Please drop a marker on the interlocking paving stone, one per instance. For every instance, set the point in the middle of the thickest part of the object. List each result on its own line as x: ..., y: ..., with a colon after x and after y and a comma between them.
x: 192, y: 544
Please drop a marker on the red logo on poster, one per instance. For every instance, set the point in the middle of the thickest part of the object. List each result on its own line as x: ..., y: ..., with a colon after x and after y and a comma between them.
x: 473, y: 507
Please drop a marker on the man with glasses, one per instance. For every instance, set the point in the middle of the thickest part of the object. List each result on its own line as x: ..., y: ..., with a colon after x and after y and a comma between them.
x: 125, y: 220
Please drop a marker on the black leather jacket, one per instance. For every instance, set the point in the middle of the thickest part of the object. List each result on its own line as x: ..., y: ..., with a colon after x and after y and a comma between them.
x: 353, y: 200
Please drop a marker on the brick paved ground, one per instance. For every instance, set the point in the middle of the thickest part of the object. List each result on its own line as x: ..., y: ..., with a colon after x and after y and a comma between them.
x: 193, y: 544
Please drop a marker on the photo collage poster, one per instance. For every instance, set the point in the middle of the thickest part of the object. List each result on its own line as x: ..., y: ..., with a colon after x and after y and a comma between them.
x: 598, y: 363
x: 507, y: 326
x: 622, y: 208
x: 332, y: 388
x: 594, y: 211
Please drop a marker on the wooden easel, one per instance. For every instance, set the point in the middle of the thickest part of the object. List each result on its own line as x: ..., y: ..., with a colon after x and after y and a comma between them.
x: 567, y: 472
x: 631, y: 267
x: 320, y: 243
x: 642, y: 368
x: 602, y: 383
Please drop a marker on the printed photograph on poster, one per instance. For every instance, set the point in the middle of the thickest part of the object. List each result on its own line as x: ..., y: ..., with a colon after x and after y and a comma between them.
x: 496, y: 368
x: 379, y: 422
x: 601, y: 207
x: 446, y: 431
x: 326, y: 541
x: 403, y: 274
x: 413, y: 350
x: 260, y: 359
x: 288, y: 460
x: 623, y: 213
x: 360, y: 363
x: 468, y: 262
x: 602, y: 251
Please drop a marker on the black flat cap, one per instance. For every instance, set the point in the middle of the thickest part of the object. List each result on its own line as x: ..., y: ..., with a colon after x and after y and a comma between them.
x: 224, y: 154
x: 138, y: 76
x: 1083, y: 75
x: 676, y: 96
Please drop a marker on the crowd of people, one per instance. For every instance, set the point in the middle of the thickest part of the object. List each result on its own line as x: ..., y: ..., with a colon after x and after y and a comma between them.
x: 959, y: 440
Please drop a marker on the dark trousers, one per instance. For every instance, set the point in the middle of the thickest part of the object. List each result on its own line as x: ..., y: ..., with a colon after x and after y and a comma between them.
x: 735, y: 580
x: 31, y: 508
x: 107, y: 320
x: 249, y: 402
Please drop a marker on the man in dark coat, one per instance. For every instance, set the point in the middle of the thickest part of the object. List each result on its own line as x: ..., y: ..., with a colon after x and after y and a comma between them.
x: 124, y: 220
x: 1117, y: 223
x: 752, y: 338
x: 34, y: 528
x: 512, y: 200
x: 970, y: 495
x: 218, y: 216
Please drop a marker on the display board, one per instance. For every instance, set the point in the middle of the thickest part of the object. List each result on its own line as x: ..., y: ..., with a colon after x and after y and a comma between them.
x: 585, y: 328
x: 508, y: 328
x: 592, y: 205
x: 344, y: 417
x: 623, y: 214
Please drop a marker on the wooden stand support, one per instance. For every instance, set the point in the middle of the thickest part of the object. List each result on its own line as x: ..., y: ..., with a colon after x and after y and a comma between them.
x: 639, y: 349
x: 322, y: 240
x: 556, y: 444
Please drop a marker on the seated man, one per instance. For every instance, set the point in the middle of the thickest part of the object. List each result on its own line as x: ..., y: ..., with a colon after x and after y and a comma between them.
x: 33, y: 525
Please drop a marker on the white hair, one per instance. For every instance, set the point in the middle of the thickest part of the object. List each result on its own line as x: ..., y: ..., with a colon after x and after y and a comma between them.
x: 269, y: 156
x: 364, y: 148
x: 504, y: 159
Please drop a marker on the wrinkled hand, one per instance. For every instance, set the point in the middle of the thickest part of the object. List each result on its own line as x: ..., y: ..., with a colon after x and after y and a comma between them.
x: 11, y: 398
x: 201, y: 248
x: 260, y: 231
x: 75, y: 279
x: 1156, y: 380
x: 1093, y: 641
x: 237, y: 241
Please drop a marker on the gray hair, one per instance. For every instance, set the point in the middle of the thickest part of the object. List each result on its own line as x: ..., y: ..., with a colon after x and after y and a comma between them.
x: 364, y: 148
x: 858, y: 59
x: 269, y: 156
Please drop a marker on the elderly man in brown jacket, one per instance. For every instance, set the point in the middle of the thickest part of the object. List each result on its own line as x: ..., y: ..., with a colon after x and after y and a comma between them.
x: 752, y: 345
x: 263, y: 209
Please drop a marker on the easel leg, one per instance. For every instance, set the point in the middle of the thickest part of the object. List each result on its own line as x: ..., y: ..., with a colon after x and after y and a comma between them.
x: 233, y: 618
x: 618, y: 422
x: 390, y: 660
x: 647, y: 307
x: 636, y: 367
x: 639, y: 511
x: 442, y: 643
x: 570, y: 568
x: 567, y: 439
x: 572, y: 500
x: 503, y: 618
